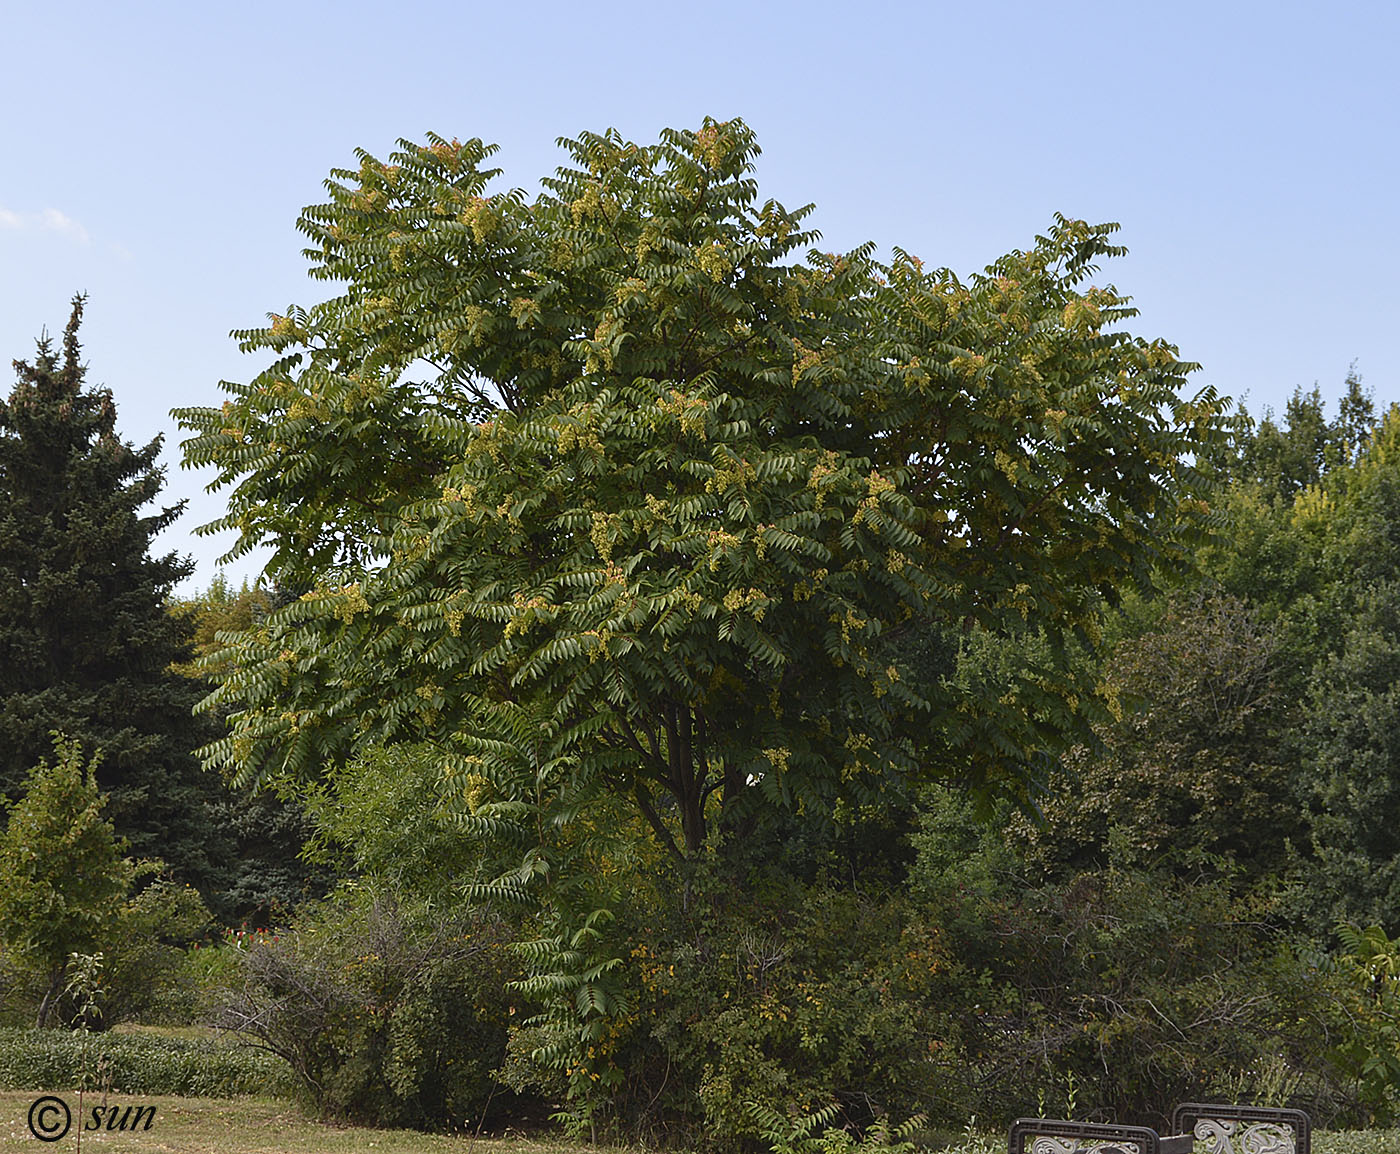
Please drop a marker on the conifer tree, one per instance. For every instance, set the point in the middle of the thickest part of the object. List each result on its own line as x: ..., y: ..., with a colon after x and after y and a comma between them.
x: 86, y: 642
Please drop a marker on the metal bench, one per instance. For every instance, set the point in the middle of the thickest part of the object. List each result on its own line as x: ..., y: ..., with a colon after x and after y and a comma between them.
x: 1056, y: 1136
x: 1227, y: 1129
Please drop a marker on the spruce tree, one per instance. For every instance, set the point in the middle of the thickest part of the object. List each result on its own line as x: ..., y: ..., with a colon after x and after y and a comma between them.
x: 86, y: 641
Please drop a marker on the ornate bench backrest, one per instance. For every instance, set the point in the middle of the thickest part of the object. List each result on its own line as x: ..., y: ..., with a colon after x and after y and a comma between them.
x: 1056, y: 1136
x: 1229, y: 1129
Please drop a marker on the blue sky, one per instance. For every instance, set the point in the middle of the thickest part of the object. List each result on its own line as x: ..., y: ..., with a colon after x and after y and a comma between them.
x: 156, y: 156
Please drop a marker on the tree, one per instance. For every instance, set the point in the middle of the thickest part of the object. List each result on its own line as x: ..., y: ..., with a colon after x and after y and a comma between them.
x: 63, y: 873
x: 86, y: 643
x: 264, y: 876
x: 1285, y: 459
x: 1352, y: 749
x: 219, y: 609
x: 1323, y: 567
x: 694, y: 502
x: 1195, y: 760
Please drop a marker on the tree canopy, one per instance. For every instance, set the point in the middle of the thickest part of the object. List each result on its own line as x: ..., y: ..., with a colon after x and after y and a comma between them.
x: 712, y: 514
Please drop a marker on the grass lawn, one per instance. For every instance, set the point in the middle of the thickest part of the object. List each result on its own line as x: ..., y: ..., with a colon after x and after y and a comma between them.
x: 271, y: 1126
x: 244, y: 1126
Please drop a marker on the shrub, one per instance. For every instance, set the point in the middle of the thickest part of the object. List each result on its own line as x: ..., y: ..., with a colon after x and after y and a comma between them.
x: 146, y: 976
x: 62, y: 870
x: 385, y: 1014
x: 783, y: 1135
x: 769, y: 1000
x: 1368, y: 1047
x: 32, y: 1059
x: 1126, y: 989
x: 1356, y: 1142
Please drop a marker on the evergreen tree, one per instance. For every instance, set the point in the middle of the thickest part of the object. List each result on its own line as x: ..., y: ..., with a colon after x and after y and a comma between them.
x: 86, y: 643
x: 1352, y: 771
x: 265, y: 876
x: 1285, y: 458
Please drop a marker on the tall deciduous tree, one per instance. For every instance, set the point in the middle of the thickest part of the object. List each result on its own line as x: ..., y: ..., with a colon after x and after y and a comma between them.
x: 86, y: 643
x: 614, y: 454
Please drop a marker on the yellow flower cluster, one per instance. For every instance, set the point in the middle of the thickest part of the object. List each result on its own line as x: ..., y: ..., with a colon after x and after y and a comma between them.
x: 345, y: 600
x: 689, y: 411
x: 754, y: 600
x: 734, y: 473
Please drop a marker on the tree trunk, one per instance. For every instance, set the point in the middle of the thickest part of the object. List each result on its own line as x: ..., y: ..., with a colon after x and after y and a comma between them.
x: 687, y: 780
x: 50, y: 996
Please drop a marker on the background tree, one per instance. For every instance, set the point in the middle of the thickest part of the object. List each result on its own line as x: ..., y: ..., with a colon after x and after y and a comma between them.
x: 1194, y: 762
x: 1350, y: 736
x: 263, y: 876
x: 1285, y: 458
x: 63, y: 870
x: 1319, y: 561
x: 1352, y: 770
x: 86, y: 643
x: 219, y: 609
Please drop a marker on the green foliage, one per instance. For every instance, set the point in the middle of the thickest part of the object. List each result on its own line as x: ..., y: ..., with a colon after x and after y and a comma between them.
x: 146, y: 976
x: 384, y: 1014
x: 677, y: 519
x: 1351, y: 732
x: 86, y: 991
x: 66, y: 898
x: 570, y: 860
x: 774, y: 996
x: 1356, y: 1142
x: 1285, y: 459
x: 1308, y: 560
x: 1370, y: 1047
x: 263, y: 876
x: 63, y: 873
x: 1322, y: 568
x: 973, y: 1141
x: 1122, y: 989
x: 86, y: 643
x: 269, y: 878
x: 385, y: 815
x: 715, y: 490
x: 1194, y: 762
x: 137, y: 1064
x: 219, y: 610
x: 788, y: 1136
x: 608, y: 513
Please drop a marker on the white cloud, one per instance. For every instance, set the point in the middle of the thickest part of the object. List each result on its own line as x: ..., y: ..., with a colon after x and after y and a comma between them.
x: 54, y: 221
x: 49, y: 220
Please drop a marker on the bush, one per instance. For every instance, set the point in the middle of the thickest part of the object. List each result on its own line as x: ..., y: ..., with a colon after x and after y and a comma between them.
x: 32, y: 1059
x: 1118, y: 991
x: 774, y: 998
x: 145, y: 974
x: 1368, y: 1047
x: 1356, y: 1142
x: 386, y: 1015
